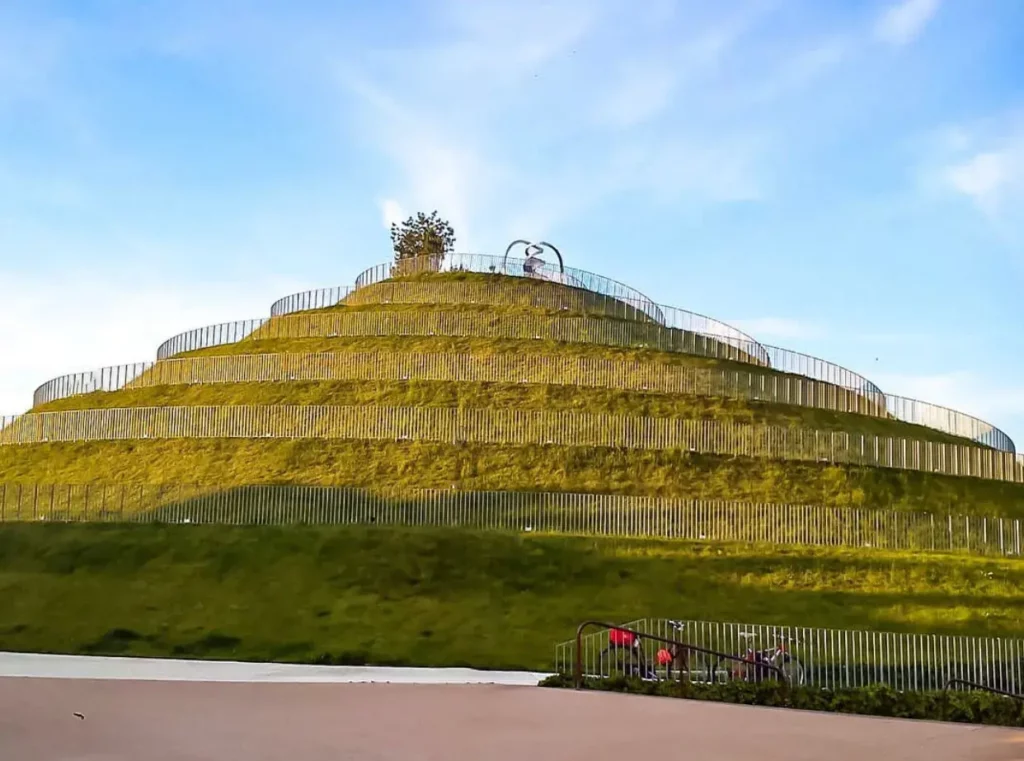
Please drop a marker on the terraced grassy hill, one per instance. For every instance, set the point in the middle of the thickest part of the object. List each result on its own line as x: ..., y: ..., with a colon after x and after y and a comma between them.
x: 483, y: 384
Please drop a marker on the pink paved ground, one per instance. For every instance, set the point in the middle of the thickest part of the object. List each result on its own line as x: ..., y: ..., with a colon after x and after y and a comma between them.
x: 194, y: 721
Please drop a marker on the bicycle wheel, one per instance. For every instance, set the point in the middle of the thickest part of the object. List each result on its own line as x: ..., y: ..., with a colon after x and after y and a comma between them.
x: 792, y: 669
x: 724, y: 670
x: 689, y: 666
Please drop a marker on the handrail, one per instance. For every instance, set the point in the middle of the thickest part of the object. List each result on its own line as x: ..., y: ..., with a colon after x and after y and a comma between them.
x: 671, y: 317
x: 488, y: 263
x: 980, y: 686
x: 578, y: 670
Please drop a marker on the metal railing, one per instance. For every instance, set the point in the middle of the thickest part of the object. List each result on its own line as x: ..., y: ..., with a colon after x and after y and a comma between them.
x: 607, y: 297
x: 513, y: 267
x: 839, y: 658
x: 209, y: 336
x: 983, y: 687
x: 319, y: 298
x: 112, y: 378
x: 574, y: 370
x: 514, y: 368
x: 513, y: 427
x: 745, y: 349
x: 601, y: 515
x: 458, y: 324
x: 689, y: 340
x: 639, y: 664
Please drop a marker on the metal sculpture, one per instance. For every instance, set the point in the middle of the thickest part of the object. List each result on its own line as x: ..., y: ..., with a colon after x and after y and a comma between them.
x: 533, y: 262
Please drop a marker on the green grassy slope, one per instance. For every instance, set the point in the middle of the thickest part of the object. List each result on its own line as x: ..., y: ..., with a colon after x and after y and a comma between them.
x: 398, y: 465
x: 448, y: 597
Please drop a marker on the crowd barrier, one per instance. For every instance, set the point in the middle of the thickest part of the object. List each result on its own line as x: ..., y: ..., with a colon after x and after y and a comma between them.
x: 829, y: 658
x: 602, y: 515
x: 514, y: 428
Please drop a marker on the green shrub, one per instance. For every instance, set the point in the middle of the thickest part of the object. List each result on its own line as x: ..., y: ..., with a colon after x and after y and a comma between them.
x: 976, y: 707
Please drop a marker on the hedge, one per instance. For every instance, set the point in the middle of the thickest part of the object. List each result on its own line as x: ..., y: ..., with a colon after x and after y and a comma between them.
x: 975, y: 707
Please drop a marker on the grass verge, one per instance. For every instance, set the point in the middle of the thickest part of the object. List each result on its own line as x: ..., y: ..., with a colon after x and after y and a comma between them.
x: 447, y: 597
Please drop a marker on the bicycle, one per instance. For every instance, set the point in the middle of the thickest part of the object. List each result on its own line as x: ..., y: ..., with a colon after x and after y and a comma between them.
x: 625, y: 655
x: 753, y: 667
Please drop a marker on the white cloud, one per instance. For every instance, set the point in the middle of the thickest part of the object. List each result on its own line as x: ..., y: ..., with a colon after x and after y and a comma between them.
x: 456, y: 114
x: 392, y: 213
x: 779, y: 327
x: 901, y: 23
x: 983, y: 162
x: 69, y: 323
x: 992, y: 179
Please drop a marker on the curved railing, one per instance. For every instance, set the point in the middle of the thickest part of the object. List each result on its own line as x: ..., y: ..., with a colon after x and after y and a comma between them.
x: 518, y: 367
x: 499, y: 265
x: 948, y: 420
x: 630, y: 298
x: 319, y: 298
x: 211, y: 335
x: 782, y: 360
x: 753, y: 385
x: 111, y: 378
x: 513, y: 427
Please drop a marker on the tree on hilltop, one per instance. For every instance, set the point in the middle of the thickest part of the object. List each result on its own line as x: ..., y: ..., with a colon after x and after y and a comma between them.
x: 423, y: 235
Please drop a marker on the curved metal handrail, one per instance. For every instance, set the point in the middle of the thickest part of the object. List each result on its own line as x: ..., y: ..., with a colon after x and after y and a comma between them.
x: 671, y: 317
x: 210, y: 335
x: 497, y: 265
x: 980, y: 686
x: 578, y: 675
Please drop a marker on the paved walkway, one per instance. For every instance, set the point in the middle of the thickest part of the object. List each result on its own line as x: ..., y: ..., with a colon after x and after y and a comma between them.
x: 116, y: 720
x: 161, y: 669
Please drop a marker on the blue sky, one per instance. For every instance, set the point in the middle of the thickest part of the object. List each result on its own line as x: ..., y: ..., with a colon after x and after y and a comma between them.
x: 841, y: 178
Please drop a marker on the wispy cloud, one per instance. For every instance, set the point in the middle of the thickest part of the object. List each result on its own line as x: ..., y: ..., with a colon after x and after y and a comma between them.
x: 454, y: 115
x: 391, y: 213
x: 983, y: 162
x: 994, y: 179
x: 902, y: 22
